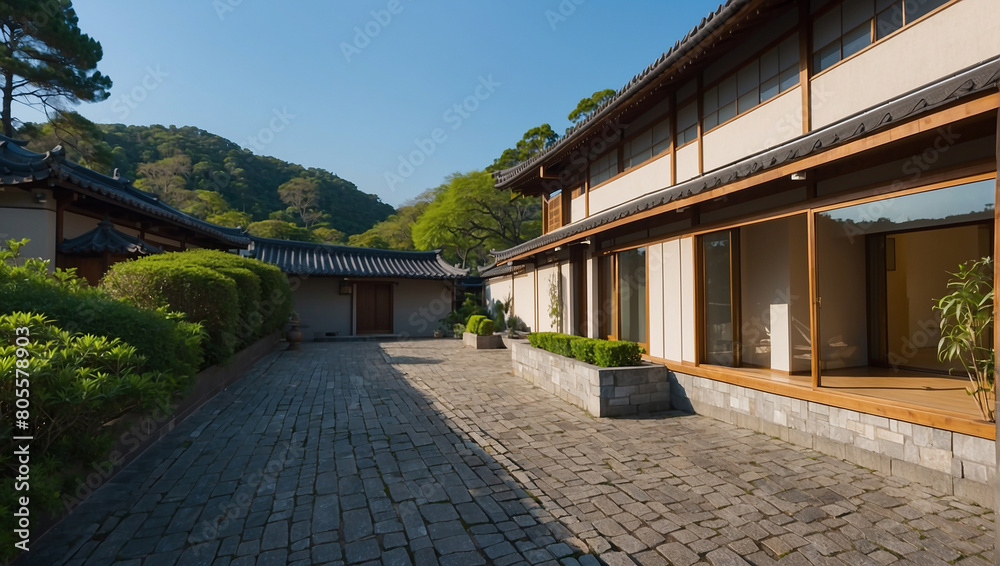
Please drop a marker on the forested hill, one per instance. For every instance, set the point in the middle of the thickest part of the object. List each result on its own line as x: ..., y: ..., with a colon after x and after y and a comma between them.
x: 247, y: 182
x: 181, y: 164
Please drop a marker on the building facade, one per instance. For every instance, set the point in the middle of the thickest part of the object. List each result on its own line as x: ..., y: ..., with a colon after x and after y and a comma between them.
x: 343, y: 291
x: 771, y: 209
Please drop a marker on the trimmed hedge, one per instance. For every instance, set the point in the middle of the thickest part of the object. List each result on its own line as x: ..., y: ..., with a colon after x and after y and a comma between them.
x: 205, y: 296
x: 164, y: 340
x: 236, y: 299
x: 603, y: 353
x: 480, y: 325
x: 275, y: 304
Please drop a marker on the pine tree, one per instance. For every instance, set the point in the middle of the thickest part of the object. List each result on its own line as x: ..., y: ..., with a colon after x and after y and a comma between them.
x: 45, y: 60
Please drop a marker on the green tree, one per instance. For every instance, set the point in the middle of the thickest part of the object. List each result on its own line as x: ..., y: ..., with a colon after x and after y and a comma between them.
x: 279, y: 230
x: 231, y: 218
x: 588, y: 105
x: 395, y: 232
x: 468, y: 217
x: 78, y: 135
x: 534, y: 140
x: 302, y: 195
x: 166, y: 178
x: 327, y: 235
x: 46, y: 61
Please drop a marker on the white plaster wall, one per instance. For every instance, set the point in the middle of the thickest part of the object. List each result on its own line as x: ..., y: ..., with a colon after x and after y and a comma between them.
x: 321, y: 307
x: 687, y: 162
x: 524, y: 297
x: 578, y: 208
x: 651, y: 177
x: 22, y: 217
x: 776, y: 121
x: 673, y: 330
x: 498, y: 289
x: 654, y: 287
x: 961, y: 35
x: 547, y: 274
x: 419, y: 305
x: 687, y: 261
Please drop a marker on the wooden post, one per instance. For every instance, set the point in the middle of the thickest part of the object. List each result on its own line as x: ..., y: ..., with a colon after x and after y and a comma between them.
x: 814, y: 302
x: 996, y: 338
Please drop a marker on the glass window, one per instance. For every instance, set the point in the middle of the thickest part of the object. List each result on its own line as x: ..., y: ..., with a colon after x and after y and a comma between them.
x: 687, y: 123
x: 638, y: 149
x: 882, y: 264
x: 603, y: 168
x: 661, y: 137
x: 717, y: 257
x: 916, y: 10
x: 856, y: 40
x: 888, y: 18
x: 763, y: 78
x: 632, y: 295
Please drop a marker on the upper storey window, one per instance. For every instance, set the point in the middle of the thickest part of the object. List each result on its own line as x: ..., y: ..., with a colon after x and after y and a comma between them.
x: 648, y: 144
x: 760, y: 80
x: 603, y: 168
x: 851, y: 25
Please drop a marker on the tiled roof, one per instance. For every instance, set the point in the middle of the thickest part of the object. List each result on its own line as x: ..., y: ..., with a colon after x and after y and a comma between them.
x: 304, y: 258
x: 978, y: 79
x: 500, y: 270
x: 105, y: 239
x: 19, y: 165
x: 681, y: 49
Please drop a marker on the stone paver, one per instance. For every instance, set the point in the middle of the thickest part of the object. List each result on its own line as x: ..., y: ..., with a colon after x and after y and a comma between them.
x: 423, y: 452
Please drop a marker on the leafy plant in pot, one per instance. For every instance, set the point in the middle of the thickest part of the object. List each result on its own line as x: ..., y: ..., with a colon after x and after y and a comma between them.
x: 967, y: 330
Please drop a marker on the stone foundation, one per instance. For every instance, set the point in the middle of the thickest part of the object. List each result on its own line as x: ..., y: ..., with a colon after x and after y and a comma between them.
x: 603, y: 392
x: 954, y: 463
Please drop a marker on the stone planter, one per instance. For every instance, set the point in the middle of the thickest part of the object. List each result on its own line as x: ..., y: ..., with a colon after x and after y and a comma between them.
x: 492, y: 342
x: 603, y: 392
x: 507, y: 340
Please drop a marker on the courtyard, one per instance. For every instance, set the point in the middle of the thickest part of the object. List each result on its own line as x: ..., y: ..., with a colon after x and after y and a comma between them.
x: 422, y: 452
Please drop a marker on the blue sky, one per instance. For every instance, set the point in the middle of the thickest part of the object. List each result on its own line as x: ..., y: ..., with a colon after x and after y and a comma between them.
x: 352, y: 87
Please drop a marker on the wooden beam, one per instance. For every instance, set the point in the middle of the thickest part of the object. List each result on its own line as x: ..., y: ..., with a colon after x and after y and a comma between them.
x: 974, y: 107
x: 996, y: 338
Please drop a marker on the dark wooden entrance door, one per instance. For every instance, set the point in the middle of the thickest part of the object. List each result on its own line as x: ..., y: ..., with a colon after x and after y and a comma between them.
x: 374, y: 308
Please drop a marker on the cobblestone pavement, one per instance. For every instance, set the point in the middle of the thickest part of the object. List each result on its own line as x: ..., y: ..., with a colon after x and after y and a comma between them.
x: 332, y: 455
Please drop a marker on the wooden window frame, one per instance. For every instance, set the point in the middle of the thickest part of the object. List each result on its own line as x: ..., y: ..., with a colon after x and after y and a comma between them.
x: 873, y: 41
x: 755, y: 57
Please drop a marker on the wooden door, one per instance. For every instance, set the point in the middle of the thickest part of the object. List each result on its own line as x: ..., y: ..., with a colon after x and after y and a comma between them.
x: 374, y: 308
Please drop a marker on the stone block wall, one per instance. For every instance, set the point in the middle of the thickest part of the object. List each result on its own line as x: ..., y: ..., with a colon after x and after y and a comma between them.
x: 954, y: 463
x: 603, y: 392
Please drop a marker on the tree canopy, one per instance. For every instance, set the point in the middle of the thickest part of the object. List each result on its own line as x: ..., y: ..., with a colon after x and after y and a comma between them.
x: 469, y: 216
x: 46, y: 61
x: 589, y: 104
x: 533, y: 141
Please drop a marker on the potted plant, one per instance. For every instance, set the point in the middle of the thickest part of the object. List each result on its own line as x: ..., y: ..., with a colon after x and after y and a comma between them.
x: 967, y: 330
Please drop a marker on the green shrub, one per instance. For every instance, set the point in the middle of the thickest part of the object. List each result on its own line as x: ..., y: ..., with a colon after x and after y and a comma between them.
x: 617, y: 353
x: 248, y: 296
x: 166, y: 342
x: 583, y: 349
x: 602, y: 353
x: 473, y: 324
x: 205, y: 296
x: 466, y: 310
x: 275, y: 304
x: 79, y: 386
x: 486, y: 327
